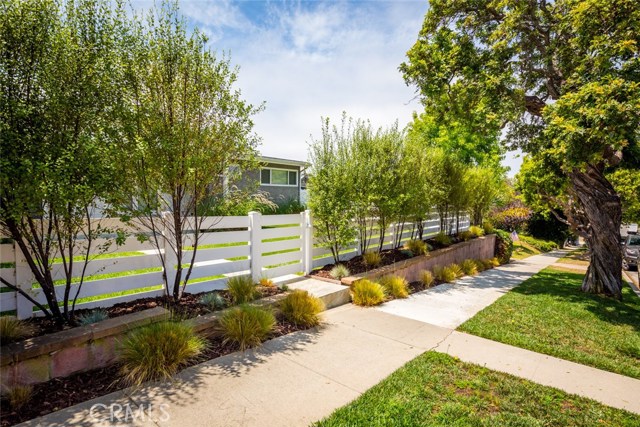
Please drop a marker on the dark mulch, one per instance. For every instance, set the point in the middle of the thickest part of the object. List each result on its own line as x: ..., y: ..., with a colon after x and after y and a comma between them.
x: 356, y: 264
x: 188, y: 306
x: 60, y: 393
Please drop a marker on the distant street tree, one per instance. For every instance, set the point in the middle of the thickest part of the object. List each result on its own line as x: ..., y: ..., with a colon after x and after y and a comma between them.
x: 60, y: 111
x: 189, y: 127
x: 564, y: 78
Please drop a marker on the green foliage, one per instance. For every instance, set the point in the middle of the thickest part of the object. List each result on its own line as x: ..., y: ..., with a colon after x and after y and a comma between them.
x: 265, y: 282
x: 545, y: 226
x: 242, y: 289
x: 469, y: 267
x: 488, y: 228
x: 480, y: 265
x: 367, y: 293
x: 484, y: 187
x: 94, y: 316
x: 495, y: 262
x: 238, y: 203
x: 417, y: 247
x: 444, y: 274
x: 456, y: 269
x: 157, y: 351
x: 372, y: 259
x: 541, y: 245
x: 476, y: 231
x: 511, y: 217
x: 12, y: 329
x: 301, y: 308
x: 289, y: 206
x: 247, y: 325
x: 504, y: 246
x: 442, y: 239
x: 213, y: 300
x: 427, y: 279
x: 339, y: 271
x: 395, y: 286
x: 465, y: 235
x: 19, y: 396
x: 488, y: 264
x: 626, y: 182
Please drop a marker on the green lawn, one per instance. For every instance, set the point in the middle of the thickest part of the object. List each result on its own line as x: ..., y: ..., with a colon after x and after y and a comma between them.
x: 550, y: 314
x: 522, y: 250
x: 575, y: 257
x: 437, y: 390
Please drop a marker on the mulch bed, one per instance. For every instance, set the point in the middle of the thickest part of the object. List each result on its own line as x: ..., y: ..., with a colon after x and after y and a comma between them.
x: 188, y: 307
x: 60, y: 393
x: 356, y: 264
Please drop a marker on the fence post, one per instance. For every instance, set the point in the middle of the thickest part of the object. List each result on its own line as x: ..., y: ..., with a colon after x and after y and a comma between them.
x: 255, y: 244
x: 393, y: 230
x: 307, y: 241
x: 24, y: 280
x: 170, y: 261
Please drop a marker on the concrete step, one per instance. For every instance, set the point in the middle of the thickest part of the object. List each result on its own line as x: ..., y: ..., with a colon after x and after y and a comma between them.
x: 333, y: 295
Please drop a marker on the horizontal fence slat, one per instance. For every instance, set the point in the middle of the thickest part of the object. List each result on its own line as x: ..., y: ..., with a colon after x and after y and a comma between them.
x: 218, y: 268
x: 217, y: 253
x: 218, y: 222
x: 281, y: 245
x: 268, y: 220
x: 109, y: 265
x: 118, y: 284
x: 208, y: 286
x: 283, y: 270
x: 7, y: 301
x: 281, y: 258
x: 7, y: 253
x: 8, y: 274
x: 273, y: 233
x: 223, y: 237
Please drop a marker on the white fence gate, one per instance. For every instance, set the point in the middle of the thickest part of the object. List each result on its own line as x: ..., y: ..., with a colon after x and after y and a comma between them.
x: 273, y: 246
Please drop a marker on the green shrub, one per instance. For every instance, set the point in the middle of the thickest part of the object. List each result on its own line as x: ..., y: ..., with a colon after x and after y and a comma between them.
x: 19, y: 395
x: 469, y: 267
x: 157, y: 351
x: 456, y: 269
x: 488, y: 264
x: 242, y: 289
x: 12, y: 329
x: 488, y: 227
x: 476, y: 231
x: 479, y: 265
x: 301, y: 308
x: 427, y: 279
x: 339, y: 271
x: 395, y: 286
x: 494, y: 262
x: 93, y: 316
x: 504, y: 246
x: 444, y: 274
x: 367, y: 293
x: 541, y: 245
x: 372, y: 259
x: 213, y: 300
x: 247, y: 325
x: 465, y: 236
x: 442, y: 239
x: 417, y: 247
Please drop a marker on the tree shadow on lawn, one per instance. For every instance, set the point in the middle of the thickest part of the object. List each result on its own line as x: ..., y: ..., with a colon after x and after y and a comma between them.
x: 566, y: 286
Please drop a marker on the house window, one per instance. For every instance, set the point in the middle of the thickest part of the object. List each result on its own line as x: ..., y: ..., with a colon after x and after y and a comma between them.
x: 273, y: 176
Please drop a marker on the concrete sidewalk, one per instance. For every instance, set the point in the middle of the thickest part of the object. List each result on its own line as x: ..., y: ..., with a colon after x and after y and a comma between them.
x: 450, y: 305
x: 302, y: 377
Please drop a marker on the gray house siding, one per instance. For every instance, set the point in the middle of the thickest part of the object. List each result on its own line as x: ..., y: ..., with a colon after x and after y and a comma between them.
x: 279, y: 193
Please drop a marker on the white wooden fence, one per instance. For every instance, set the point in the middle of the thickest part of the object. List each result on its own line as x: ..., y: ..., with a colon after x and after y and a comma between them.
x: 274, y: 246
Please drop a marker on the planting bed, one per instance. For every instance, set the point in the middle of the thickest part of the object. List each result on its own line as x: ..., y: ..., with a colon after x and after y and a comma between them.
x: 60, y: 393
x: 188, y: 307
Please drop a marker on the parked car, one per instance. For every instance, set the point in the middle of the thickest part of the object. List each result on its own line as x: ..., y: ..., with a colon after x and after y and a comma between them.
x: 630, y: 250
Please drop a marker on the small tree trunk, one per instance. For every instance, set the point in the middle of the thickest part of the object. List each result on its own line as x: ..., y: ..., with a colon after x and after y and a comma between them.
x: 603, y: 210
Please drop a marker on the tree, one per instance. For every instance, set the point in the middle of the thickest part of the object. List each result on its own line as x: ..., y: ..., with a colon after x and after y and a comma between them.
x: 60, y: 109
x: 483, y: 187
x: 563, y: 77
x: 189, y: 126
x: 330, y: 188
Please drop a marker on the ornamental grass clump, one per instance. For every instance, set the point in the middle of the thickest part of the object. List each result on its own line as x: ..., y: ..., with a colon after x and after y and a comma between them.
x: 495, y: 262
x: 372, y: 259
x: 442, y: 239
x: 156, y: 352
x: 476, y: 231
x: 367, y: 293
x: 302, y: 309
x: 417, y: 247
x: 18, y: 396
x: 12, y: 329
x: 247, y: 325
x: 488, y: 264
x: 93, y: 316
x: 213, y: 301
x: 427, y: 279
x: 242, y: 289
x: 444, y: 274
x: 456, y: 269
x: 339, y: 271
x: 469, y: 267
x: 465, y: 236
x: 395, y: 286
x: 266, y: 282
x: 480, y: 265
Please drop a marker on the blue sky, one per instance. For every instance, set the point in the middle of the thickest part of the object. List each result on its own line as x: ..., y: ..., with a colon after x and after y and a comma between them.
x: 313, y: 59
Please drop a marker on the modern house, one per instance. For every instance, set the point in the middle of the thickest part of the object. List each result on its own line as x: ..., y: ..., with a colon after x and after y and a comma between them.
x: 282, y: 179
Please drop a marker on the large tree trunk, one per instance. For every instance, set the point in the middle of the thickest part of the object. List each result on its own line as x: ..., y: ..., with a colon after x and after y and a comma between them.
x: 603, y: 211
